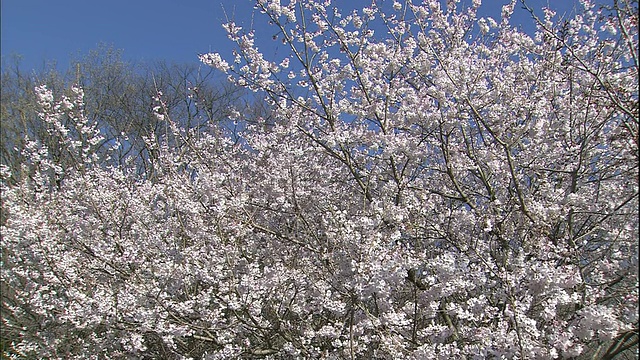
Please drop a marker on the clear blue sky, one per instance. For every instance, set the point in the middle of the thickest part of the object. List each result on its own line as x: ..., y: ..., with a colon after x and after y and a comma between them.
x: 146, y: 30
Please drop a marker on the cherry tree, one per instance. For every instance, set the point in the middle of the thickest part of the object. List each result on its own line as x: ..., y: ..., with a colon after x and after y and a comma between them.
x: 432, y: 184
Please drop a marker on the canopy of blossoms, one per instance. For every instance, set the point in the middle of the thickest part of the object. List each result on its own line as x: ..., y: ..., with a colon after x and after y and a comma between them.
x: 429, y: 185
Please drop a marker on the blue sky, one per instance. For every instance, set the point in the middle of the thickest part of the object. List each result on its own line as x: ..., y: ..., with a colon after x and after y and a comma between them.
x: 145, y: 30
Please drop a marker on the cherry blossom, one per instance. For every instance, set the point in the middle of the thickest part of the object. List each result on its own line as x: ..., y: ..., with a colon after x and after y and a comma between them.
x: 430, y: 185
